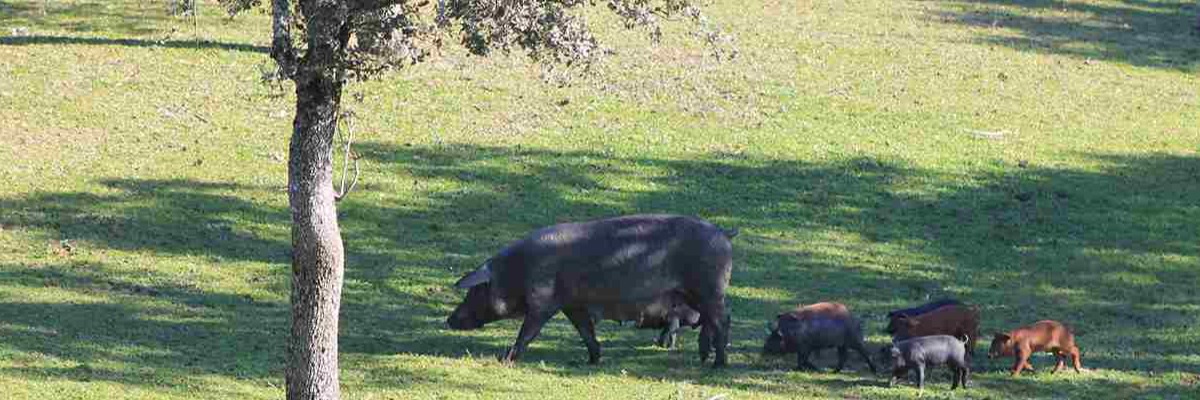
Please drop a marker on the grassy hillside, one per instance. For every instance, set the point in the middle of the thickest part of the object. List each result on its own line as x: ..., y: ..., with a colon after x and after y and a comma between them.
x: 1038, y: 158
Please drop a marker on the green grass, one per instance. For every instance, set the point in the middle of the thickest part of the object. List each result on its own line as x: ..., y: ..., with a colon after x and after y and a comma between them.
x: 1037, y: 158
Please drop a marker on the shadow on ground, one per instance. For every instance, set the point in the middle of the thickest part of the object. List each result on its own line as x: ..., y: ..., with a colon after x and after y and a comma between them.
x: 1111, y: 251
x: 1159, y: 34
x: 181, y: 217
x: 135, y: 23
x: 170, y: 44
x: 139, y: 334
x: 120, y: 17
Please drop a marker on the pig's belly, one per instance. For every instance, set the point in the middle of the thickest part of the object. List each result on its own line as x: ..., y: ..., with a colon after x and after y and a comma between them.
x: 624, y: 288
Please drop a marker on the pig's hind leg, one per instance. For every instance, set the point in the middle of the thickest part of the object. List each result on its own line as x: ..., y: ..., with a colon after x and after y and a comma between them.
x: 1074, y: 353
x: 862, y: 351
x: 587, y: 330
x: 713, y: 334
x: 960, y: 373
x: 843, y: 353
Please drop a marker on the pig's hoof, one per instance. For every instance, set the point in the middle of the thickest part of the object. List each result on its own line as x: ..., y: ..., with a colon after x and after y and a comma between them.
x: 508, y: 358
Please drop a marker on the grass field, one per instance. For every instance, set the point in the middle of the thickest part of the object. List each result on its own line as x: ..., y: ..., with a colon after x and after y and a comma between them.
x: 1037, y: 158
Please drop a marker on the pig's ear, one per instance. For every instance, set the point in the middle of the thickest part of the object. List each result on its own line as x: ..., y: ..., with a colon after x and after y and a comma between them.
x: 1002, y: 336
x: 476, y: 277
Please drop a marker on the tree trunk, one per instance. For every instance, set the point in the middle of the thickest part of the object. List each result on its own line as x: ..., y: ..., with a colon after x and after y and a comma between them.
x: 317, y: 257
x: 317, y: 253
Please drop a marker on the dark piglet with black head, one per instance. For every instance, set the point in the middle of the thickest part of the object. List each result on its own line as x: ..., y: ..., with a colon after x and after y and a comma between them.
x: 928, y: 351
x: 809, y: 329
x: 605, y: 267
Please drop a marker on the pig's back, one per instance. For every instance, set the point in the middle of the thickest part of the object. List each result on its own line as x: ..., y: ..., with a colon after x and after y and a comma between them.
x: 938, y: 349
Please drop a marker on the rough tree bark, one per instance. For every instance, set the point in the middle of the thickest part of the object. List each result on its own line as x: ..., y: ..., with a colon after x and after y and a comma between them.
x: 317, y: 258
x: 317, y: 252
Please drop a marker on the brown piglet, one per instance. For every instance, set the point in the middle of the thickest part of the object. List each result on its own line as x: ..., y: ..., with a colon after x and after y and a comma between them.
x: 1048, y: 336
x: 954, y: 320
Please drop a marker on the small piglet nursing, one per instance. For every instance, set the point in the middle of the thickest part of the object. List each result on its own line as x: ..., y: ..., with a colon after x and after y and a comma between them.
x: 917, y: 353
x: 668, y: 313
x: 1048, y: 336
x: 811, y: 328
x: 677, y: 317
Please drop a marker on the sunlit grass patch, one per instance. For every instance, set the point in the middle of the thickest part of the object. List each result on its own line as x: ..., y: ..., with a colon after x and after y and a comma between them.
x: 1038, y: 159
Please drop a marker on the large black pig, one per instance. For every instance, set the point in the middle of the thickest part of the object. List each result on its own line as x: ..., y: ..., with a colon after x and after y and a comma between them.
x: 604, y: 267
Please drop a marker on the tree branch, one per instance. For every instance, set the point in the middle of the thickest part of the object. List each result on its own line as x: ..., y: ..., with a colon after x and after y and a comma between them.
x: 282, y: 49
x: 363, y: 5
x: 348, y: 139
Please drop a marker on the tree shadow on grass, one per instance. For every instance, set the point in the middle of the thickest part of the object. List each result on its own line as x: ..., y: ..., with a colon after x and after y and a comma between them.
x: 83, y: 22
x: 169, y: 44
x: 118, y: 17
x: 506, y: 193
x: 84, y: 314
x: 1139, y: 33
x: 1110, y: 251
x: 148, y: 325
x: 173, y: 216
x: 1024, y: 243
x: 141, y: 334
